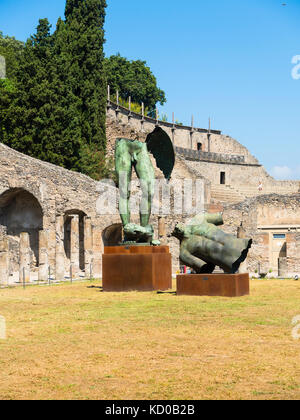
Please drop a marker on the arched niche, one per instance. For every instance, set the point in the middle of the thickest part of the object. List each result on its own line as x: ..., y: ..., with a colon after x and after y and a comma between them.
x: 20, y: 211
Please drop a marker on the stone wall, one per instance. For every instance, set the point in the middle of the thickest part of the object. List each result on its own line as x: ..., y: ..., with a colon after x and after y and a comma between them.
x: 220, y: 153
x: 262, y: 218
x: 2, y: 67
x: 186, y: 137
x: 33, y: 196
x: 235, y: 174
x: 194, y: 155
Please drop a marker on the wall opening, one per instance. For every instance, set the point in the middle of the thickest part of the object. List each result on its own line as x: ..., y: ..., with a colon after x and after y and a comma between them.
x: 199, y: 147
x: 279, y: 253
x: 21, y: 212
x: 223, y: 178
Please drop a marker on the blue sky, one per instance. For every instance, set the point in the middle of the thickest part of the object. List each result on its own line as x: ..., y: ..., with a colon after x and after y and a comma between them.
x: 227, y: 59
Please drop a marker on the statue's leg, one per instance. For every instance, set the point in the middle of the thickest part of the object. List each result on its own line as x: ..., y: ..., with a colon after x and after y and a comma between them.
x: 145, y: 172
x: 124, y: 170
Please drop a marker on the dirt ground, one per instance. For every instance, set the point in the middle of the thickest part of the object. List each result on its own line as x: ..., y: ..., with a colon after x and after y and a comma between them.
x: 76, y: 342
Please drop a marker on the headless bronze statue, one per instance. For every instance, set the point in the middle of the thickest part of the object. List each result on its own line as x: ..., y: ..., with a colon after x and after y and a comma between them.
x: 133, y: 154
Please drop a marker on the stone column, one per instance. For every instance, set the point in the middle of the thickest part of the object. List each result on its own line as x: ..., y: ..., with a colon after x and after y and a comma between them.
x: 88, y: 246
x: 292, y: 254
x: 162, y: 229
x: 74, y: 246
x: 283, y: 268
x: 52, y: 247
x: 24, y: 275
x: 97, y: 252
x: 49, y: 225
x: 4, y: 261
x: 43, y: 256
x: 59, y: 250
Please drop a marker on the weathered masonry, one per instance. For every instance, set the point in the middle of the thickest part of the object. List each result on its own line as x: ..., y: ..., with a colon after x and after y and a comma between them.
x: 48, y: 221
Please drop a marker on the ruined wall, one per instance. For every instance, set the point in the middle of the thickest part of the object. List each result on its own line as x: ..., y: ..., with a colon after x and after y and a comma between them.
x: 33, y: 194
x: 236, y: 174
x: 262, y: 218
x: 220, y: 153
x: 182, y: 136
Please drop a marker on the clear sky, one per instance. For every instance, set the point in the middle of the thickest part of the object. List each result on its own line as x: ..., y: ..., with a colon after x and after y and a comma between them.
x: 227, y: 59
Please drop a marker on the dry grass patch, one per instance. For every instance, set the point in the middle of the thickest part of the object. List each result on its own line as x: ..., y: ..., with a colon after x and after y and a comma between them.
x: 75, y: 342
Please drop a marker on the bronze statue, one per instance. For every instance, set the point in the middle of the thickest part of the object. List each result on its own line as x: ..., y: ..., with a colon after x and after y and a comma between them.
x: 204, y: 246
x: 135, y: 154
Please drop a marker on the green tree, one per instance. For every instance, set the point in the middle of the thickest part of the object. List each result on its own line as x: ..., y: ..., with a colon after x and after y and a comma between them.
x: 11, y: 49
x: 25, y: 120
x: 56, y: 108
x: 79, y: 48
x: 37, y: 113
x: 135, y: 79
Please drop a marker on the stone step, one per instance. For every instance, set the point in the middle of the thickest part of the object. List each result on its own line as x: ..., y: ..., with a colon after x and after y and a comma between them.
x: 226, y: 193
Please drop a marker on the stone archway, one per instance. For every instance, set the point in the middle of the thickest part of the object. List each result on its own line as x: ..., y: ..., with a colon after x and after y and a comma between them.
x: 20, y: 211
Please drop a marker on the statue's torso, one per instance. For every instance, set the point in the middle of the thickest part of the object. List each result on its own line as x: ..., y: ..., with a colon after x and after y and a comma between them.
x: 133, y: 147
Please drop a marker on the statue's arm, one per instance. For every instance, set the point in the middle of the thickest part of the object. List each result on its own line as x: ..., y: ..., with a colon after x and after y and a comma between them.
x: 196, y: 263
x: 215, y: 218
x: 189, y: 259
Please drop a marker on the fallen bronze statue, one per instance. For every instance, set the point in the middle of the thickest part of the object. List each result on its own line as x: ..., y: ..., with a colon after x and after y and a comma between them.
x: 203, y: 246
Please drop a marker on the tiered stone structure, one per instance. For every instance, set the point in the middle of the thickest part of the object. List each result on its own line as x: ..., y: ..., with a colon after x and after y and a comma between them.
x: 50, y: 223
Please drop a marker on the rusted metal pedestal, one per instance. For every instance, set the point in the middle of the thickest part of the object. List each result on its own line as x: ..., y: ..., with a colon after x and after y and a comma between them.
x: 140, y: 268
x: 227, y: 285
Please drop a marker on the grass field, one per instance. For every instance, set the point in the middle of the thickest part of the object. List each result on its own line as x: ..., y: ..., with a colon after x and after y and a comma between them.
x: 76, y: 342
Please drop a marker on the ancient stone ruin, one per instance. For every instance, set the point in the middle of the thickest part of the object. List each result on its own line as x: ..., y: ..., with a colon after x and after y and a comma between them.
x: 50, y: 225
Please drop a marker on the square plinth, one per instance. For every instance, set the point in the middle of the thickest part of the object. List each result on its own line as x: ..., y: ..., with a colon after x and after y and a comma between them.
x: 137, y: 268
x: 227, y: 285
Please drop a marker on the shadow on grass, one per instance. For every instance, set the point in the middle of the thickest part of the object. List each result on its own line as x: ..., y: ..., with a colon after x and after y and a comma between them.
x: 168, y: 292
x: 95, y: 287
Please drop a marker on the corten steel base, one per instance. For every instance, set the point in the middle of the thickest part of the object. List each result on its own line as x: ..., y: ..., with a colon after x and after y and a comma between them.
x: 139, y: 268
x: 227, y: 285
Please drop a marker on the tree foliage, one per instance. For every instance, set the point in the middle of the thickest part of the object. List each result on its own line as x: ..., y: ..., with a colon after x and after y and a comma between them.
x: 135, y: 79
x: 83, y: 58
x: 53, y: 103
x: 11, y: 49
